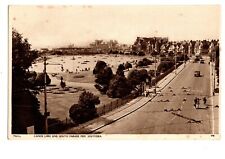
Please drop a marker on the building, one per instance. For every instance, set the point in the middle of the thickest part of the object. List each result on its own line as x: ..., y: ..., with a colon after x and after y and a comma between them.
x: 148, y: 44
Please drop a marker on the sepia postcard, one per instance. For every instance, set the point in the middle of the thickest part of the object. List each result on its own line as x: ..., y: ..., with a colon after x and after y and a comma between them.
x: 114, y: 72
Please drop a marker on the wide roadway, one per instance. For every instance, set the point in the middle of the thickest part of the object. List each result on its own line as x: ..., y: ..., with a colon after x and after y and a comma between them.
x: 173, y: 111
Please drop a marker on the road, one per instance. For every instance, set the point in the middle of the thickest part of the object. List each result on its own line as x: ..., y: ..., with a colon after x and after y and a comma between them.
x: 173, y: 111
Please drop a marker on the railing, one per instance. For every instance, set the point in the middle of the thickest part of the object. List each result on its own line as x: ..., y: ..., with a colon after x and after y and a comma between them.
x: 103, y: 109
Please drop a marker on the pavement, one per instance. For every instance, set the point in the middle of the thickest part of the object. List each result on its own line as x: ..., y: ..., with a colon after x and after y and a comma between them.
x: 126, y: 110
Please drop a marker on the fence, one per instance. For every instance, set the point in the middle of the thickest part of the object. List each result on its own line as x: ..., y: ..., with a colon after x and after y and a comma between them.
x: 103, y: 109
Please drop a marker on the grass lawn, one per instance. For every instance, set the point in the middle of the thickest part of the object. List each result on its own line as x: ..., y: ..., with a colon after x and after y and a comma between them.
x: 59, y: 102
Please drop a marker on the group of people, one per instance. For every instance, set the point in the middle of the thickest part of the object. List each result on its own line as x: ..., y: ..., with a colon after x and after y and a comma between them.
x: 197, y: 102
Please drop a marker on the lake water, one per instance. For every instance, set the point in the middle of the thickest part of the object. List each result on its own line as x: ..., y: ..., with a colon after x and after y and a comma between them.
x: 78, y: 63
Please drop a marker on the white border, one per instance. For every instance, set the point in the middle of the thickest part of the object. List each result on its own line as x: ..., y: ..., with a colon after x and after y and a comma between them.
x: 101, y: 149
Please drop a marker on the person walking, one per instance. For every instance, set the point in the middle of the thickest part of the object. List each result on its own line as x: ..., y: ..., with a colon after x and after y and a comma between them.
x: 204, y: 100
x: 195, y: 102
x: 198, y: 102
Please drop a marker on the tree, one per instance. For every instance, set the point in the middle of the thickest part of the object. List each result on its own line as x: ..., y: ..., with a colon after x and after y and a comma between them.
x: 121, y: 67
x: 100, y: 65
x: 103, y: 75
x: 164, y: 66
x: 85, y: 109
x: 22, y: 54
x: 40, y: 79
x: 135, y: 77
x: 119, y: 87
x: 120, y: 70
x: 22, y: 58
x: 103, y: 78
x: 22, y: 94
x: 143, y: 74
x: 217, y: 56
x: 128, y: 65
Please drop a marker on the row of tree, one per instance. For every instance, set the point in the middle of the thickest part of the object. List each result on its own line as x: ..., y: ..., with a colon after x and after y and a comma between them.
x: 117, y: 85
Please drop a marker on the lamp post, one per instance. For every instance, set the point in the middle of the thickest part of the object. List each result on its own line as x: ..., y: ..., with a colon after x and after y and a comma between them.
x: 46, y: 113
x: 184, y: 56
x: 214, y: 69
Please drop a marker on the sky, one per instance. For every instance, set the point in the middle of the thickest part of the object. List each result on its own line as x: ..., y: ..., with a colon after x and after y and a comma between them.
x: 57, y: 26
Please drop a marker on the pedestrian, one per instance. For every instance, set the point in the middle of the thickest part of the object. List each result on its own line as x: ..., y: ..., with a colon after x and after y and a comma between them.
x: 195, y: 102
x: 204, y: 100
x: 198, y: 102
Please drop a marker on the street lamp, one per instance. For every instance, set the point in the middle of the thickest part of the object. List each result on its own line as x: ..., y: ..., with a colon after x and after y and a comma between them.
x: 46, y: 113
x: 184, y: 56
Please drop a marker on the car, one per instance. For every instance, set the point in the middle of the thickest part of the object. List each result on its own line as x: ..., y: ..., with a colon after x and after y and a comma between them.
x: 202, y: 61
x: 196, y: 60
x: 197, y: 74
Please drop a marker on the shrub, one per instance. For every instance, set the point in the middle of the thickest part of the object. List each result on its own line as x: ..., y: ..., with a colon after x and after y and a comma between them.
x: 85, y: 109
x: 141, y: 53
x: 140, y: 63
x: 147, y: 62
x: 144, y: 62
x: 128, y: 65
